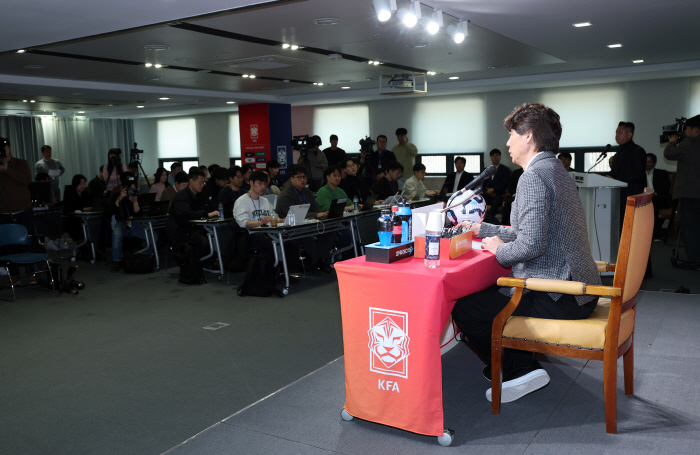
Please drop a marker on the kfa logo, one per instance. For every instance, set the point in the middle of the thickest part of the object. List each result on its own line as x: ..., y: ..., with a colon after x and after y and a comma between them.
x: 388, y: 342
x: 254, y: 132
x: 282, y: 156
x: 249, y: 153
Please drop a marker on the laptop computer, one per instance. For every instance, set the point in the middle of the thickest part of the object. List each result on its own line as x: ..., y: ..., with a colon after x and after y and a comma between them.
x: 299, y: 211
x: 369, y: 203
x: 337, y: 207
x: 147, y: 199
x: 158, y: 208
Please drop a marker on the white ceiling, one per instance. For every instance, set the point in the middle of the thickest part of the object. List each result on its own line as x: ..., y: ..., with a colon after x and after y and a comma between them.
x: 529, y: 43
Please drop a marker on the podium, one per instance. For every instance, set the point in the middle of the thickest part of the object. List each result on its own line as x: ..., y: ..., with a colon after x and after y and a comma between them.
x: 600, y: 197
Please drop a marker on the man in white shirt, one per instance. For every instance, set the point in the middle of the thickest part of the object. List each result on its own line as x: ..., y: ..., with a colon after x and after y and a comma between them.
x: 53, y: 168
x: 458, y: 179
x: 414, y: 188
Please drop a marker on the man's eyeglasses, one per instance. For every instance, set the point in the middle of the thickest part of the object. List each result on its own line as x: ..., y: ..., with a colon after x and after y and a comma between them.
x: 299, y: 177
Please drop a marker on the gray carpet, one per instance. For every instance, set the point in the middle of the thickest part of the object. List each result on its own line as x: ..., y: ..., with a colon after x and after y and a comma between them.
x: 567, y: 416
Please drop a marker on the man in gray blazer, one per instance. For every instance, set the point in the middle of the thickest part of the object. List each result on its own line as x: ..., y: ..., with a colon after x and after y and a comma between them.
x: 547, y: 239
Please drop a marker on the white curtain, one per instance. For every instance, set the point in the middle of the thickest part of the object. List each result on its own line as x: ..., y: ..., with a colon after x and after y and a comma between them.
x: 26, y: 136
x: 81, y: 144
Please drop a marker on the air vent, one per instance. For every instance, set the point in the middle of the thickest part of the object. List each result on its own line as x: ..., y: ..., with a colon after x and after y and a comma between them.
x: 327, y: 21
x: 265, y: 62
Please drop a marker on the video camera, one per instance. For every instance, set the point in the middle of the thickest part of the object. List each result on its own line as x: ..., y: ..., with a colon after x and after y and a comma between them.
x: 135, y: 154
x: 367, y: 144
x: 675, y: 129
x: 3, y: 142
x: 304, y: 143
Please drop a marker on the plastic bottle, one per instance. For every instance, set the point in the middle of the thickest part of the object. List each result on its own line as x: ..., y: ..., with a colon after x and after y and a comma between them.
x: 433, y: 232
x: 396, y: 225
x: 406, y: 222
x: 290, y: 217
x: 385, y: 228
x: 356, y: 202
x: 221, y: 211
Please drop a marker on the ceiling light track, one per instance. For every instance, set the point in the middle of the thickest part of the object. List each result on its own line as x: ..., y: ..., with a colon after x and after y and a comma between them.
x: 278, y: 44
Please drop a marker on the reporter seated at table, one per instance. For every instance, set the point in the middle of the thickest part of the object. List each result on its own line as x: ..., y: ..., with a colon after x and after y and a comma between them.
x: 548, y: 239
x: 457, y: 180
x: 181, y: 181
x: 414, y: 188
x: 389, y: 184
x: 189, y: 204
x: 219, y: 180
x: 233, y: 190
x: 125, y: 207
x: 161, y: 183
x: 295, y: 194
x: 97, y: 186
x: 76, y: 198
x: 331, y: 191
x: 351, y: 183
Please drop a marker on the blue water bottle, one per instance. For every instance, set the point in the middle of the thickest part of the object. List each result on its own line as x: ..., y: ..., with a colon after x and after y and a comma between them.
x: 385, y: 228
x: 406, y: 222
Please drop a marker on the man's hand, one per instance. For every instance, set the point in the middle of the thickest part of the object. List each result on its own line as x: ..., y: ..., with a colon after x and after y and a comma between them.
x: 491, y: 244
x: 431, y: 193
x: 490, y: 192
x: 266, y: 219
x: 673, y: 139
x: 213, y: 214
x: 474, y: 227
x: 379, y: 202
x: 322, y: 214
x: 410, y: 198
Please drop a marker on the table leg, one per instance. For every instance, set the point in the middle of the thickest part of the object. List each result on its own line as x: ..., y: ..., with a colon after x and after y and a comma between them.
x: 354, y: 240
x: 285, y: 291
x: 83, y: 242
x: 155, y: 247
x: 218, y: 252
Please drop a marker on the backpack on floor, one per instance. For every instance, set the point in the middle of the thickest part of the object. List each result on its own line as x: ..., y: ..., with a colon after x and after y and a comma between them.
x: 238, y: 254
x: 257, y: 282
x: 138, y: 263
x: 43, y: 278
x: 191, y: 270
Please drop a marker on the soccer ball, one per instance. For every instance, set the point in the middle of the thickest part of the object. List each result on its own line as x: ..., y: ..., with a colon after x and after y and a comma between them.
x: 472, y: 210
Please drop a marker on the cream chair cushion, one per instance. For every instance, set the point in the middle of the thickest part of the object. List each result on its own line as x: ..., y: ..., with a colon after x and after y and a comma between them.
x: 583, y: 333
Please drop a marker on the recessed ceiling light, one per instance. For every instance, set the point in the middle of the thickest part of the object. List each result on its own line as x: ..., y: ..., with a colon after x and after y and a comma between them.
x: 252, y: 76
x: 157, y: 65
x: 431, y: 73
x: 637, y: 61
x: 33, y: 101
x: 454, y: 78
x: 376, y: 63
x: 21, y: 51
x: 315, y: 83
x: 24, y: 101
x: 320, y: 83
x: 34, y: 67
x: 417, y: 45
x: 81, y: 112
x: 148, y: 65
x: 294, y: 47
x: 345, y: 88
x: 164, y: 98
x: 230, y: 102
x: 285, y: 80
x: 140, y: 106
x: 245, y: 75
x: 327, y: 21
x: 156, y: 47
x: 612, y: 46
x: 582, y: 24
x: 285, y: 46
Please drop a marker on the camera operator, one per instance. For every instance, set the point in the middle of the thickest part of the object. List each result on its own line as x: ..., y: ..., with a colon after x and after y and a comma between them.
x: 15, y: 177
x: 687, y: 185
x: 125, y: 208
x: 379, y: 160
x: 315, y: 162
x: 113, y: 170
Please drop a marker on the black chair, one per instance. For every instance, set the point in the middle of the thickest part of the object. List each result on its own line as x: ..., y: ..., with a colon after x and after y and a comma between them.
x: 16, y: 235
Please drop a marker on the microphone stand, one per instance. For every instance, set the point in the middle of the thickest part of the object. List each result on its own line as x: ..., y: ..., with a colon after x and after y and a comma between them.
x: 475, y: 192
x: 600, y: 159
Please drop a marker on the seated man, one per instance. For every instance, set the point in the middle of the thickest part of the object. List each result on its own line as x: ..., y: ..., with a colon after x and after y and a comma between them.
x: 330, y: 191
x: 565, y: 158
x: 252, y: 210
x: 76, y: 198
x: 125, y: 208
x: 220, y: 181
x: 190, y: 204
x: 495, y: 187
x: 273, y: 168
x: 414, y: 188
x: 548, y: 240
x: 352, y: 184
x: 457, y: 180
x: 97, y: 186
x: 233, y: 190
x: 389, y: 185
x: 246, y: 169
x: 181, y: 180
x: 295, y: 194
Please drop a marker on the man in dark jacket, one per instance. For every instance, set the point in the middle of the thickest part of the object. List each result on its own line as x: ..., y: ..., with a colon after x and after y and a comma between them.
x: 660, y: 182
x: 457, y: 180
x: 496, y: 186
x: 628, y: 165
x: 126, y: 207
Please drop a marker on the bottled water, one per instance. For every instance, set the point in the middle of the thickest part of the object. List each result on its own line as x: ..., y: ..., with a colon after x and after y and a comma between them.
x: 290, y: 217
x: 432, y: 249
x: 396, y: 222
x: 385, y: 228
x: 221, y: 211
x: 356, y: 203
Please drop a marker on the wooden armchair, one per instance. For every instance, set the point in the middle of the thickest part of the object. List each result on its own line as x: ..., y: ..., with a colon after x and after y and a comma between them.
x: 606, y: 335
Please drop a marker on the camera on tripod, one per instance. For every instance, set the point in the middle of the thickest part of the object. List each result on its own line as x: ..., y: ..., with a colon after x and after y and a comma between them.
x: 367, y: 144
x: 135, y: 154
x: 675, y: 129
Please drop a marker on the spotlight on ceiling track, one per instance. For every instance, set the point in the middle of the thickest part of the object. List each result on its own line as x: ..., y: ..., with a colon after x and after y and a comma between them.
x: 432, y: 24
x: 409, y: 15
x: 458, y: 32
x: 285, y: 46
x: 384, y: 8
x: 148, y: 65
x: 21, y: 51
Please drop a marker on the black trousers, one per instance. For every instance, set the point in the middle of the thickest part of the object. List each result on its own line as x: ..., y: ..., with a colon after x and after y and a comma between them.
x: 474, y: 315
x: 690, y: 227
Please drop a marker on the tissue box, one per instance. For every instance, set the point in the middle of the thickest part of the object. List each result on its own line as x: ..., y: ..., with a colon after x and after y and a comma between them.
x: 449, y: 248
x: 388, y: 254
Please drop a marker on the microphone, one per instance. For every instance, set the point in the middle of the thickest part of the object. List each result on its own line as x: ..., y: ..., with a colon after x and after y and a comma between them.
x: 488, y: 173
x: 602, y: 155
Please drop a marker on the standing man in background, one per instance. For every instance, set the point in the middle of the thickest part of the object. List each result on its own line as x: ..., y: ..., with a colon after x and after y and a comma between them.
x: 659, y: 181
x: 15, y: 177
x: 334, y: 155
x: 315, y: 161
x: 628, y: 165
x: 54, y: 169
x: 687, y: 186
x: 405, y: 151
x: 495, y: 187
x: 377, y: 162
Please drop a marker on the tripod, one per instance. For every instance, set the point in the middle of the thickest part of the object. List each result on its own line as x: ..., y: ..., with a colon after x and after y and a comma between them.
x: 135, y: 157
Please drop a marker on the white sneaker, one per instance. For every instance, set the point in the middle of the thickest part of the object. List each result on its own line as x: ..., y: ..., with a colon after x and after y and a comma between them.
x: 52, y: 245
x: 519, y: 387
x: 64, y: 246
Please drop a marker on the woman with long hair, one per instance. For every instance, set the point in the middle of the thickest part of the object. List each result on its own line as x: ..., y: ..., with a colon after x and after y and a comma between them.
x: 113, y: 170
x: 161, y: 182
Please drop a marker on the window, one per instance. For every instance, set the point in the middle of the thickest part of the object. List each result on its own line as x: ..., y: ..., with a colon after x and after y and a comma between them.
x: 444, y: 164
x: 176, y: 136
x: 235, y: 162
x: 449, y: 125
x: 187, y: 163
x: 350, y: 122
x: 234, y: 136
x: 590, y: 158
x: 434, y: 164
x: 588, y: 114
x: 474, y: 163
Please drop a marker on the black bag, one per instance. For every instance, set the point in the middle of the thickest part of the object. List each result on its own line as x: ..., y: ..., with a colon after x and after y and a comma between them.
x: 191, y: 270
x: 138, y: 263
x: 238, y: 254
x: 260, y: 280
